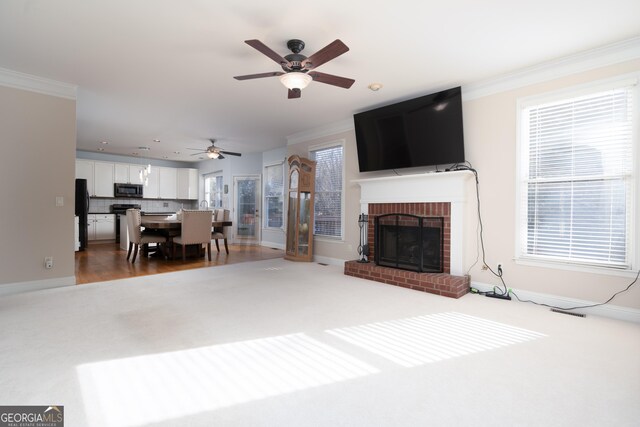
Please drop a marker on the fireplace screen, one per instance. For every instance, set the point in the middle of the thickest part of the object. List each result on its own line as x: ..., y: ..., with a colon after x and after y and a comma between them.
x: 409, y: 242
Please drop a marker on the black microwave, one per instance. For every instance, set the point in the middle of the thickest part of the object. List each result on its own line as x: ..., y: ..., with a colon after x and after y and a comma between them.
x: 127, y: 190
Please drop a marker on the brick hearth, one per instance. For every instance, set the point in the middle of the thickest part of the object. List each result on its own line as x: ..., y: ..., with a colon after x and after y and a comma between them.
x: 434, y: 283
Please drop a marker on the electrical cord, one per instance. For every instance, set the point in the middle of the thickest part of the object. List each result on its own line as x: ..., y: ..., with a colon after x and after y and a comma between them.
x: 467, y: 166
x: 580, y: 306
x: 506, y: 292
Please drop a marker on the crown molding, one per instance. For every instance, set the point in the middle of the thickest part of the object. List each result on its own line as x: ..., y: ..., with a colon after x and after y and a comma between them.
x: 611, y: 54
x: 322, y: 131
x: 18, y: 80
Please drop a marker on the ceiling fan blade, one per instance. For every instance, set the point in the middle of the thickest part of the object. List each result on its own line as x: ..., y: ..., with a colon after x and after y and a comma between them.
x: 294, y: 93
x: 327, y: 53
x: 198, y: 154
x: 220, y: 157
x: 259, y: 76
x: 264, y: 49
x: 195, y: 149
x: 230, y: 153
x: 330, y: 79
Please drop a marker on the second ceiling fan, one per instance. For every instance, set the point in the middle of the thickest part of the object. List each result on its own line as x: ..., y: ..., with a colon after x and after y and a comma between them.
x: 297, y: 74
x: 213, y: 152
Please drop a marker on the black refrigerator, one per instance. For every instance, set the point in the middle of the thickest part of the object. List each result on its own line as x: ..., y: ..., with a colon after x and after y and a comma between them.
x: 82, y: 210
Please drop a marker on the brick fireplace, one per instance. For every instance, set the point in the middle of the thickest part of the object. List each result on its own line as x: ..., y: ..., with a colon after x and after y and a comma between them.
x: 426, y: 195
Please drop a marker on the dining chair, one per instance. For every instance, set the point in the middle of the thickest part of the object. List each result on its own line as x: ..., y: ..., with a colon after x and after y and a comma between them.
x: 196, y: 230
x: 136, y: 237
x: 221, y: 232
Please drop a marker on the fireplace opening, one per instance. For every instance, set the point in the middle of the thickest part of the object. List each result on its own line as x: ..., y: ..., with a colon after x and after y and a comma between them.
x: 409, y: 242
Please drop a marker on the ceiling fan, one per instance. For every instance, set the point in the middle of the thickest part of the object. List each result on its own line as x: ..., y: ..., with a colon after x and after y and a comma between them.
x: 214, y: 152
x: 297, y: 67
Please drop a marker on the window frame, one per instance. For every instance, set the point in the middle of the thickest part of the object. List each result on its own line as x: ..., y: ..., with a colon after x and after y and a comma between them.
x: 264, y: 195
x: 332, y: 144
x: 522, y: 152
x: 206, y: 176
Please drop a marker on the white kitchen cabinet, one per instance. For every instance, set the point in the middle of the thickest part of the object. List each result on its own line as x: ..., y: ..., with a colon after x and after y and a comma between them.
x: 129, y: 173
x: 168, y: 180
x: 103, y: 179
x: 84, y: 170
x: 121, y: 173
x: 76, y: 238
x: 134, y: 174
x: 101, y: 227
x: 152, y: 189
x: 187, y: 184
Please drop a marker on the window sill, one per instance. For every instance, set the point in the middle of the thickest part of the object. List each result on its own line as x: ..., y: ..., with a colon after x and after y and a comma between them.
x: 591, y: 269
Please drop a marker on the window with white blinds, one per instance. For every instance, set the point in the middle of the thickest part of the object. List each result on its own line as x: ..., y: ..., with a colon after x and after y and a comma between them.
x: 328, y: 196
x: 577, y: 178
x: 273, y: 195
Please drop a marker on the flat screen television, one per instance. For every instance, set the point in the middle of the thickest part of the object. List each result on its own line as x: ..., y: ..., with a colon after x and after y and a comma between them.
x: 424, y: 131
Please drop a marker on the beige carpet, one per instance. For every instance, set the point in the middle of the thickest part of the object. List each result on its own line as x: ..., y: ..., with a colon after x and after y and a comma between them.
x: 276, y: 343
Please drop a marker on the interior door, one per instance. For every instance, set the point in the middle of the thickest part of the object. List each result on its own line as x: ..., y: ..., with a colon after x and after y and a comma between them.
x: 246, y: 223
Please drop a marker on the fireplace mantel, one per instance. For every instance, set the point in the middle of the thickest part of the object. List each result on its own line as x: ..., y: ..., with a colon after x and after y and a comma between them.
x: 452, y: 187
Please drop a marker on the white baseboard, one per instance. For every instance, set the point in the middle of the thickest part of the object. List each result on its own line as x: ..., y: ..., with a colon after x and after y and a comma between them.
x: 607, y: 310
x: 272, y: 245
x: 327, y: 260
x: 36, y: 285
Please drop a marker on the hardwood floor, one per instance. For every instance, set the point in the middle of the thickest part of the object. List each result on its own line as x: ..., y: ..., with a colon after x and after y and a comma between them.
x: 106, y: 261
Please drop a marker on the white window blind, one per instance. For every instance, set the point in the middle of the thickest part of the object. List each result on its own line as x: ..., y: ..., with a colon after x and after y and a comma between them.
x: 273, y: 195
x: 328, y: 196
x: 577, y: 179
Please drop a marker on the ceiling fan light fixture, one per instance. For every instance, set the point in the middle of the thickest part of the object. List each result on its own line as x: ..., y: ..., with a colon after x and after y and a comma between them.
x: 213, y: 154
x: 295, y: 80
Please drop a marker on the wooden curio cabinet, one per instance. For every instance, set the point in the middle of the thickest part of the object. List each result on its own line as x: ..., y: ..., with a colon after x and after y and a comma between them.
x: 302, y: 175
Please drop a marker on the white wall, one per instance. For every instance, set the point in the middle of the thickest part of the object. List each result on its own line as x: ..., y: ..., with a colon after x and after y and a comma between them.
x: 38, y: 134
x: 490, y: 145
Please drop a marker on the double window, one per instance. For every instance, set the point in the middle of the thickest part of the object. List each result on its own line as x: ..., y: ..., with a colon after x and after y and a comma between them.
x: 577, y: 176
x: 328, y: 212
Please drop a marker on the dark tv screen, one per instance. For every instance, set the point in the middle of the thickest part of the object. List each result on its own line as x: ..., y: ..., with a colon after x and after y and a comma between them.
x: 424, y: 131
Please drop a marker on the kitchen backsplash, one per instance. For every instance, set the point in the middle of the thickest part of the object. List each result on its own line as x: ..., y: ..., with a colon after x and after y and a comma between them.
x: 104, y: 205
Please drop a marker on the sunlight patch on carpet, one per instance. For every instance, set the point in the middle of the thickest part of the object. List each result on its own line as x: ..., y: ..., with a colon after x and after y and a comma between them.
x: 426, y: 339
x: 146, y: 389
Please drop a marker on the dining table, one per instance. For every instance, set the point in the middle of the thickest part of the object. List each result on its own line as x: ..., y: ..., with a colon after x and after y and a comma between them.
x: 171, y: 228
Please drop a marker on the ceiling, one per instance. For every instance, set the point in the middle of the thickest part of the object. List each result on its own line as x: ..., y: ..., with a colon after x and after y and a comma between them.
x: 163, y: 70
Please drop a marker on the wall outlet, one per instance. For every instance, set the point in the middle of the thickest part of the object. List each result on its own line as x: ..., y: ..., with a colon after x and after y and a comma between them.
x: 165, y: 204
x: 48, y: 262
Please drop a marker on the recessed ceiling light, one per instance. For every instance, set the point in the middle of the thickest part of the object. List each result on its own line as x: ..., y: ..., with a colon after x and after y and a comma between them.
x: 104, y: 142
x: 144, y: 148
x: 375, y: 86
x: 156, y: 140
